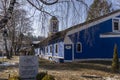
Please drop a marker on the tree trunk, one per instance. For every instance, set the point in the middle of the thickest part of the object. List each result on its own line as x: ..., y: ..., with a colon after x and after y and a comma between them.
x: 6, y: 48
x: 11, y: 52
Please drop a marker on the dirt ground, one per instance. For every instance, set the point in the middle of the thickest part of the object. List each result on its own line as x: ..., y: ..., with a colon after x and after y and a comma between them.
x: 82, y: 70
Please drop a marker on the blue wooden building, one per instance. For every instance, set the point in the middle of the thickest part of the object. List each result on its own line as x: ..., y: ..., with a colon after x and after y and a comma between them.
x: 94, y: 39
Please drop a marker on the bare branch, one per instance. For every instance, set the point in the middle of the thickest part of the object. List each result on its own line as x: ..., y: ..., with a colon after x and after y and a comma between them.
x: 8, y: 14
x: 47, y: 3
x: 82, y: 1
x: 40, y: 9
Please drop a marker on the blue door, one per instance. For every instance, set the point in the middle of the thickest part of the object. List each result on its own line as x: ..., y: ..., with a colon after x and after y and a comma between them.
x: 68, y: 52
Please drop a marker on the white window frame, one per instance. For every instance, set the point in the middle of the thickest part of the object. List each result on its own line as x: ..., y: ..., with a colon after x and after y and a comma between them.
x: 113, y: 20
x: 46, y: 50
x: 77, y: 47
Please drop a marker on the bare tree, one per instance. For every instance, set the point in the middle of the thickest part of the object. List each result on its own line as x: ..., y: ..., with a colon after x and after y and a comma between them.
x: 18, y: 19
x: 44, y: 5
x: 19, y: 25
x: 41, y: 5
x: 70, y: 12
x: 8, y: 14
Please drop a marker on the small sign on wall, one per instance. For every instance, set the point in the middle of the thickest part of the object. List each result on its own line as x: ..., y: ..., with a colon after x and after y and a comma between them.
x: 28, y: 67
x: 68, y: 47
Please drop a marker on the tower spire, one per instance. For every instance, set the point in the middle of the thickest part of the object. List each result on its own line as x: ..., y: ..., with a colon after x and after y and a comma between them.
x: 54, y: 25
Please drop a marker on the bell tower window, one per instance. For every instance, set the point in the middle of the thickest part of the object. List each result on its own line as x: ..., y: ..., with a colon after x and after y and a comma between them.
x: 54, y: 25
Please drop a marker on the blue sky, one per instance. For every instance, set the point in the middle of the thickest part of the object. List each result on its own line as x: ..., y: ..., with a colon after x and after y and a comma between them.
x: 65, y: 20
x: 60, y: 10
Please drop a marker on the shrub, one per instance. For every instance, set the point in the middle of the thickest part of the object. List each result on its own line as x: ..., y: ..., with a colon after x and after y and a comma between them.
x: 115, y: 61
x: 48, y: 77
x: 40, y: 75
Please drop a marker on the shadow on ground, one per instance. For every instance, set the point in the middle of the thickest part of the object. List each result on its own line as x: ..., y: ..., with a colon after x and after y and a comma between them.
x: 3, y: 79
x: 92, y: 65
x: 10, y: 66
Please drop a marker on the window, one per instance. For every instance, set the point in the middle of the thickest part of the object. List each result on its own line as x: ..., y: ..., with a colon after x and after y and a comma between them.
x: 116, y: 25
x: 55, y: 26
x: 56, y: 48
x: 50, y: 49
x: 79, y: 47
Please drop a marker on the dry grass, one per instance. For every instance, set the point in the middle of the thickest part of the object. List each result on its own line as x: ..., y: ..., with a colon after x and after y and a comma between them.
x: 5, y: 71
x: 84, y: 70
x: 3, y: 59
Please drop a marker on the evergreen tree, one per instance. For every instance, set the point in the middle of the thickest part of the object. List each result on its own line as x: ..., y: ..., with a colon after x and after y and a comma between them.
x: 98, y: 8
x: 115, y: 61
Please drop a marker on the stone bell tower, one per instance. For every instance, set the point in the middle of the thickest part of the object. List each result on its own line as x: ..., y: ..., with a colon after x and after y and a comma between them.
x: 54, y: 25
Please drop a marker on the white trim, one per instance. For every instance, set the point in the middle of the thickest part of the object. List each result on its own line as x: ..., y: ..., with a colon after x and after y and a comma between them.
x: 58, y: 57
x: 67, y: 60
x: 92, y: 24
x: 46, y: 53
x: 108, y: 36
x: 80, y: 47
x: 94, y: 59
x: 116, y: 18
